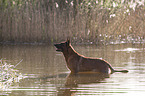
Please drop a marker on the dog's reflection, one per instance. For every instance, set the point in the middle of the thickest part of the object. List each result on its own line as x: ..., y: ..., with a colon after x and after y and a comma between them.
x: 73, y: 80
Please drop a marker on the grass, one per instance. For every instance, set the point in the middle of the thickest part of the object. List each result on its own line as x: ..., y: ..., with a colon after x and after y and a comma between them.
x: 84, y: 21
x: 8, y: 75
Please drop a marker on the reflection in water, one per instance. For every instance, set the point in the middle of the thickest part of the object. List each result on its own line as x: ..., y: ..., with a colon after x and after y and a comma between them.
x: 46, y: 73
x: 73, y: 81
x: 129, y: 49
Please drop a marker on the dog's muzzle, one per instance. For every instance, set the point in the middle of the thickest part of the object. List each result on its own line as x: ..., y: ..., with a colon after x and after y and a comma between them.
x: 58, y: 46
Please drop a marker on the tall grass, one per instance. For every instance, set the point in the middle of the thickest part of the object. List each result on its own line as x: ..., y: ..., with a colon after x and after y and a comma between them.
x: 47, y: 21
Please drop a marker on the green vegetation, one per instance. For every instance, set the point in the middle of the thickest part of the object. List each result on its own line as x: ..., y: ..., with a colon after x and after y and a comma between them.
x: 89, y: 21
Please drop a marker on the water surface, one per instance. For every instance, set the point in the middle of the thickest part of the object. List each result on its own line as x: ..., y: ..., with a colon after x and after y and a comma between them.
x: 46, y: 73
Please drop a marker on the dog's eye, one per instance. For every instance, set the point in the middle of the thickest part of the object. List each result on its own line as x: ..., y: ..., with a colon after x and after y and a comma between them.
x: 62, y: 43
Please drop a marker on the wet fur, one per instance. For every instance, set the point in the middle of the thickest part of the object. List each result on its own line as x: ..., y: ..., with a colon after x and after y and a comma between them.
x: 79, y: 63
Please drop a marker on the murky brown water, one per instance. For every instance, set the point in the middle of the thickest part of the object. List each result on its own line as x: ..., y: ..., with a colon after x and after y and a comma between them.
x: 46, y: 73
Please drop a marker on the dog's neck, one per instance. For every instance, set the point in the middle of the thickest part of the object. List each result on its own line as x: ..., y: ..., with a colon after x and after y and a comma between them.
x: 70, y: 52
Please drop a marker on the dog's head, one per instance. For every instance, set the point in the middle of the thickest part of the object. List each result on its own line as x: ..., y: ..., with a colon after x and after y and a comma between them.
x: 62, y: 46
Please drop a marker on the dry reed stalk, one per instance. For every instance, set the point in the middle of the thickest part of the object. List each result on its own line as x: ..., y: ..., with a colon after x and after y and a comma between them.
x: 41, y: 21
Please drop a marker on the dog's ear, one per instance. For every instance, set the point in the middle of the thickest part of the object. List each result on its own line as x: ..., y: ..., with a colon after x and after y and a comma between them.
x: 68, y: 41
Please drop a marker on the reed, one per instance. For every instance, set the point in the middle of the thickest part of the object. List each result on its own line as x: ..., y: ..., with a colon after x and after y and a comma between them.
x: 9, y: 75
x: 89, y: 21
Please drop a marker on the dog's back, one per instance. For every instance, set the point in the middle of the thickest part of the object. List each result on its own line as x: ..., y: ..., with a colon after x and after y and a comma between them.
x: 78, y: 63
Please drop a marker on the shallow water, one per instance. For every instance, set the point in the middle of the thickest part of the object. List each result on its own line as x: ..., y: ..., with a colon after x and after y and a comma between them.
x: 45, y: 72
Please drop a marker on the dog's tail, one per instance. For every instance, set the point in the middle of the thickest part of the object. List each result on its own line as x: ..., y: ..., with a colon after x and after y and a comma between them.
x: 112, y: 70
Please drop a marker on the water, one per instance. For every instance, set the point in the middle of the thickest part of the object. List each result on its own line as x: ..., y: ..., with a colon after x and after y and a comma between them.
x: 45, y: 72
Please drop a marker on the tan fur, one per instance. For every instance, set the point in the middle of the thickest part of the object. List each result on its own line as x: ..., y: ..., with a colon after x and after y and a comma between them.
x: 79, y: 63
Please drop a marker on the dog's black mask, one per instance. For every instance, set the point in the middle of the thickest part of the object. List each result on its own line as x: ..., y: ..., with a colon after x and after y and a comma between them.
x: 62, y: 46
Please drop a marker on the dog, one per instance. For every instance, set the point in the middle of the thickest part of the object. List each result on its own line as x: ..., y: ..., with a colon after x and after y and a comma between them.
x: 79, y: 63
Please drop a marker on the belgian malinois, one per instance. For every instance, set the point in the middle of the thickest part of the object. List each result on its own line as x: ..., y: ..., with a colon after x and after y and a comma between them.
x: 79, y: 63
